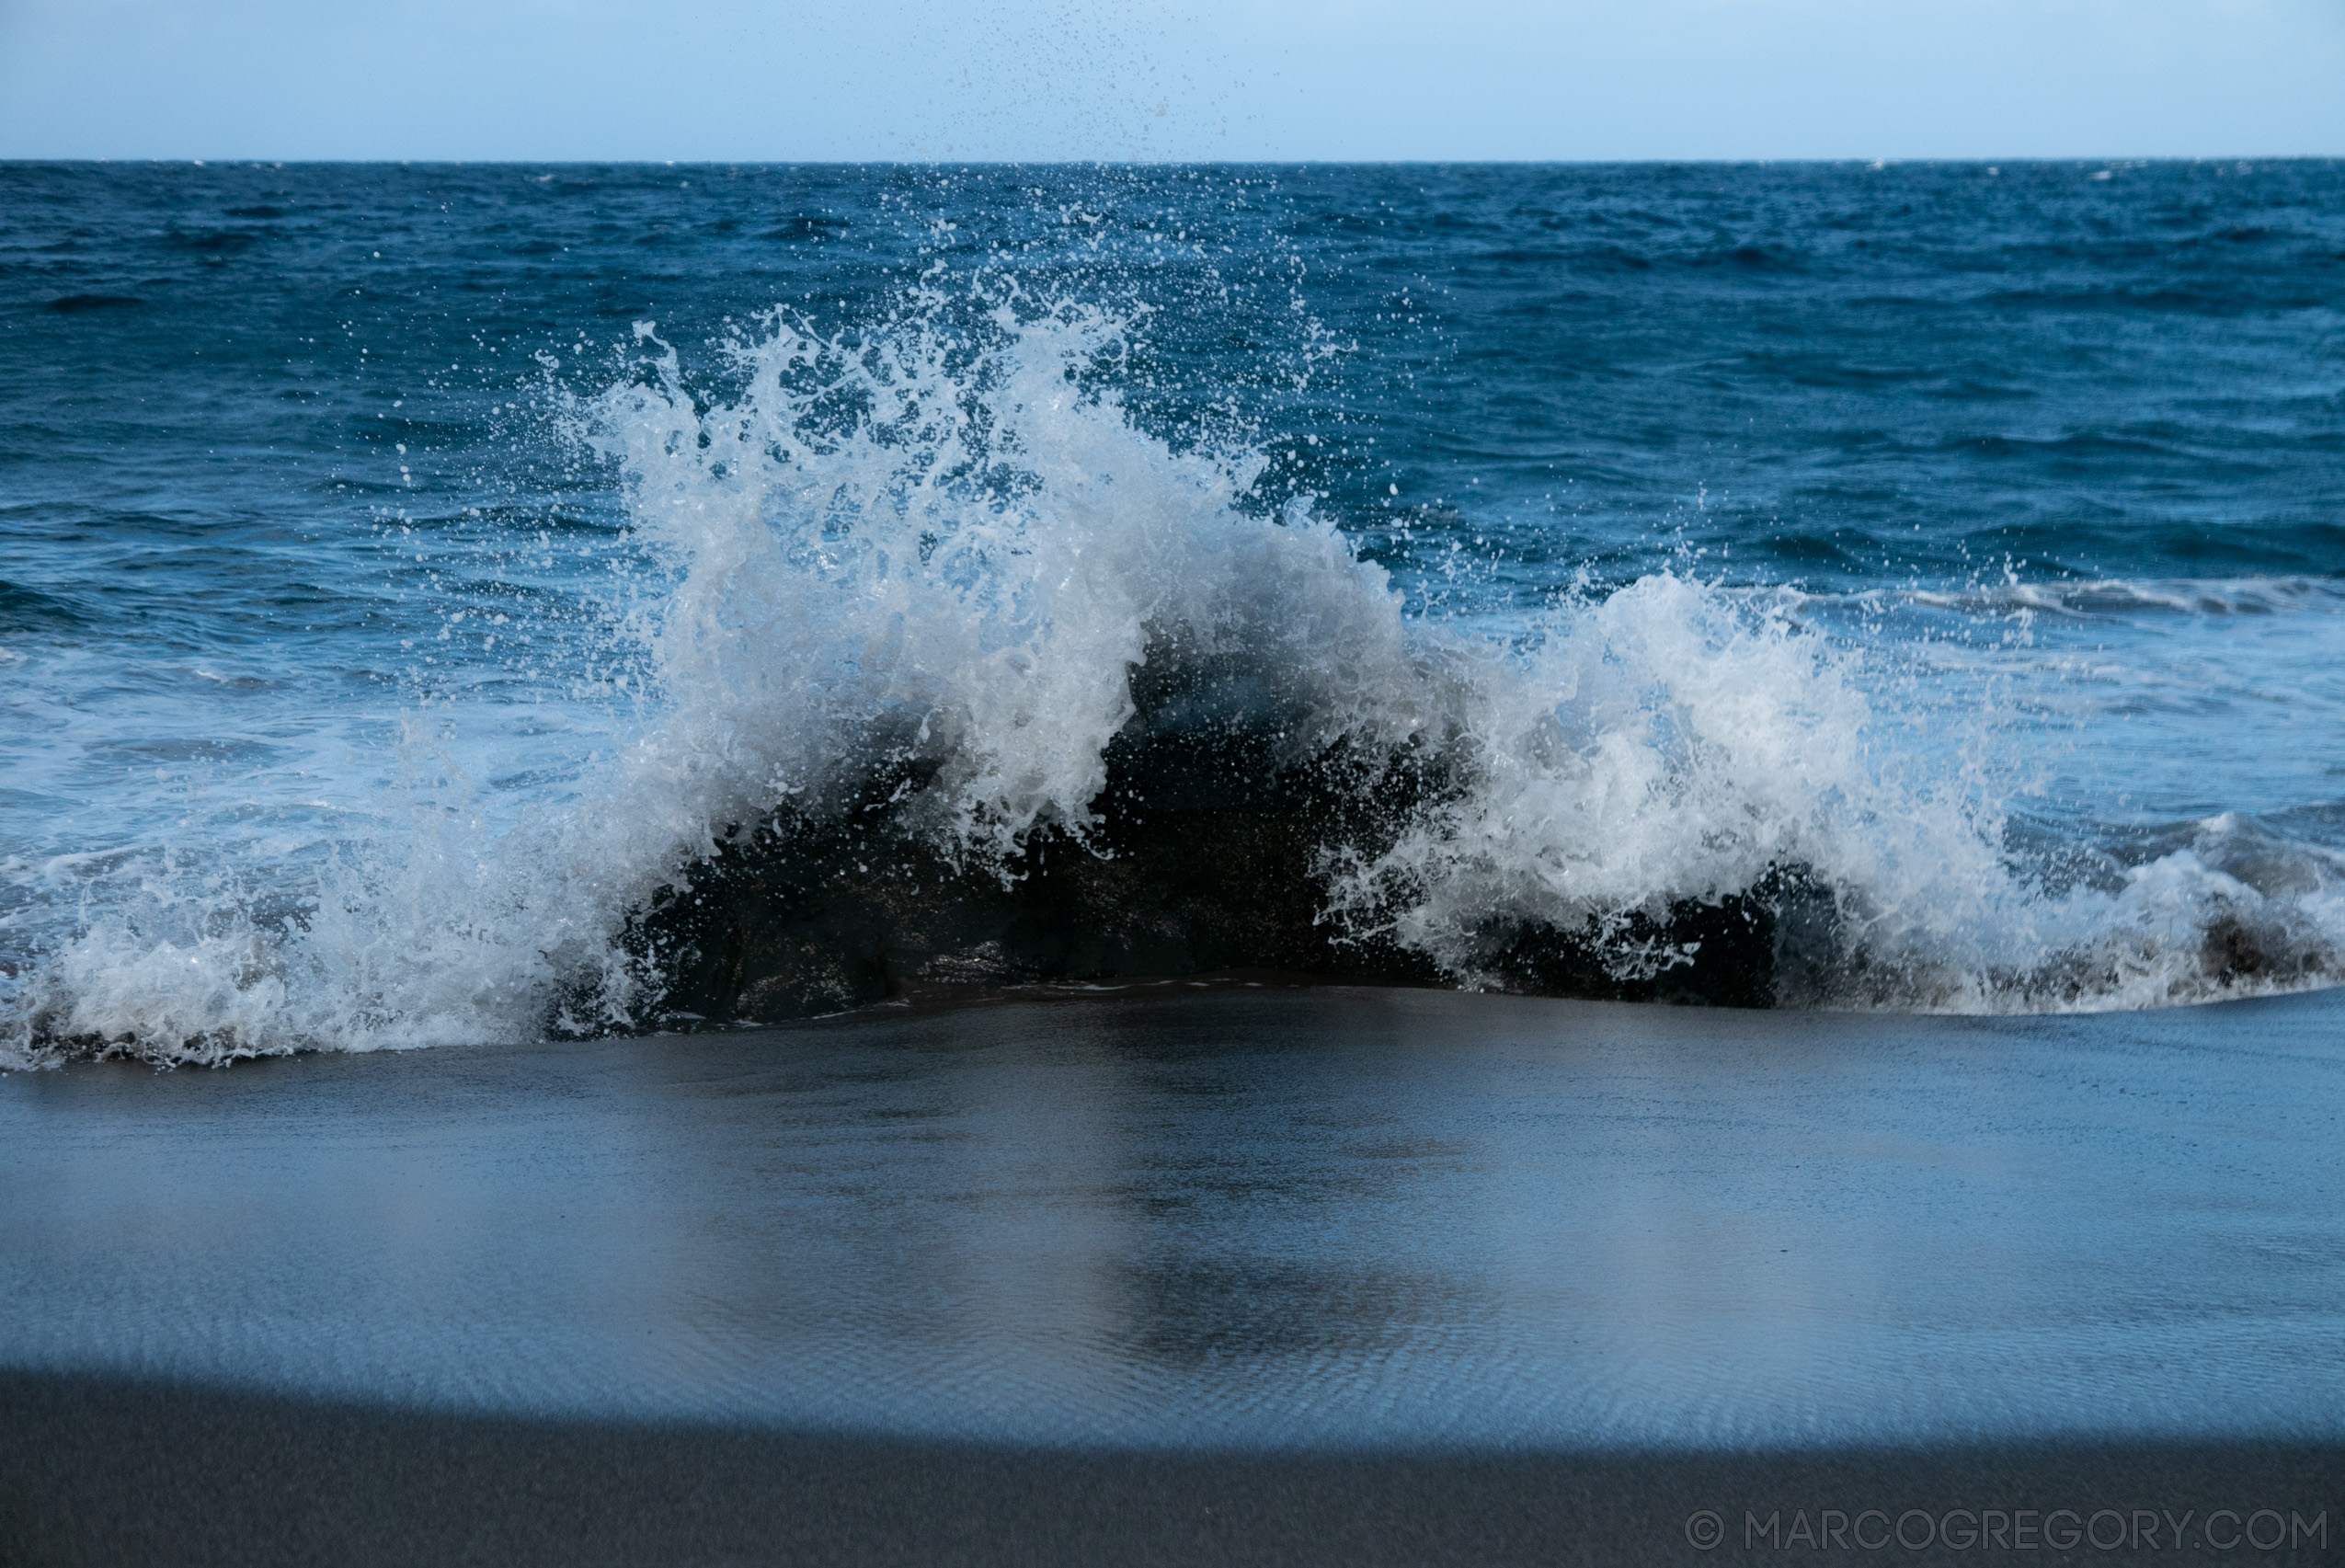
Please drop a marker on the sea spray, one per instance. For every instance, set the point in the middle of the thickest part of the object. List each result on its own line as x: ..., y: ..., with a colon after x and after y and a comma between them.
x: 946, y: 641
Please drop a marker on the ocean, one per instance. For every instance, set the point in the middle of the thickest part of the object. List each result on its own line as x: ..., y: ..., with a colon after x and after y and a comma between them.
x: 475, y: 603
x: 947, y: 758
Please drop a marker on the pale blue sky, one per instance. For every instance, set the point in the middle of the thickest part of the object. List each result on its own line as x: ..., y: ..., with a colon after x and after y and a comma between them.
x: 1288, y: 79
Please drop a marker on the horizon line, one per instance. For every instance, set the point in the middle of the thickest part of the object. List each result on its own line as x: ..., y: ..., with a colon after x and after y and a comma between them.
x: 2133, y: 160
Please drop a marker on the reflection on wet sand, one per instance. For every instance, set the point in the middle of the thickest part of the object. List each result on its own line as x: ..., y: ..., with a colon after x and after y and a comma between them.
x: 1298, y: 1217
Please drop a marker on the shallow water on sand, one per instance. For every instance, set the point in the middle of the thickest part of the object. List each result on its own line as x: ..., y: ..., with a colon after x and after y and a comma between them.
x: 1235, y: 1217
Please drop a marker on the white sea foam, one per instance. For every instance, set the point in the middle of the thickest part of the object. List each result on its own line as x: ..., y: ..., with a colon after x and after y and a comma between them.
x: 2084, y: 597
x: 945, y: 550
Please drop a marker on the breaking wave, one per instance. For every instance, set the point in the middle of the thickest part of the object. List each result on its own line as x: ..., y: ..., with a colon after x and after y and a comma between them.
x: 958, y: 674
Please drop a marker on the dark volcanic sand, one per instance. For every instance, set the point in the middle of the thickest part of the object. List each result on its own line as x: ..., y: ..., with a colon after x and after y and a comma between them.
x: 1231, y: 1275
x: 95, y: 1471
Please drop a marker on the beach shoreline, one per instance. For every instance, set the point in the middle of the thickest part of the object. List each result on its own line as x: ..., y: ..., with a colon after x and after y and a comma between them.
x: 113, y: 1470
x: 1225, y: 1274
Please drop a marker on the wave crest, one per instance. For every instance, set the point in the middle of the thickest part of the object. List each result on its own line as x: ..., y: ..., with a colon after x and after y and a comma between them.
x: 959, y: 673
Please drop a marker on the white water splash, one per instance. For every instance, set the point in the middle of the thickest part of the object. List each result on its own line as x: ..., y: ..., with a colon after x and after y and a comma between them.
x: 948, y: 549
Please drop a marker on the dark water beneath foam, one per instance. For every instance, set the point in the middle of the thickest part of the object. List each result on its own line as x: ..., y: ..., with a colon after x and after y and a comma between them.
x: 329, y: 565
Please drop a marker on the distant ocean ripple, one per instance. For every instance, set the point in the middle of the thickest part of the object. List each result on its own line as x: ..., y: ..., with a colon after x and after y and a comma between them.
x: 450, y: 603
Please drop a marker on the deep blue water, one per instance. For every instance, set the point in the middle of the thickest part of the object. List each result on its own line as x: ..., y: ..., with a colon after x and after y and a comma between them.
x: 380, y: 622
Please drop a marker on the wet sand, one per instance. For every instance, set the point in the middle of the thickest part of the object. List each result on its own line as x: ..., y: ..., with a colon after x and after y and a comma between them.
x: 109, y: 1472
x: 1231, y: 1275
